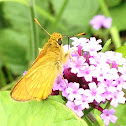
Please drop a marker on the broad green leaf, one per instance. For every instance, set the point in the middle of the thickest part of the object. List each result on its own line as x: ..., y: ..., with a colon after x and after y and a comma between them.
x: 18, y: 19
x: 118, y: 16
x: 122, y: 50
x: 113, y: 3
x: 44, y: 13
x: 77, y: 13
x: 44, y: 113
x: 20, y: 1
x: 13, y: 50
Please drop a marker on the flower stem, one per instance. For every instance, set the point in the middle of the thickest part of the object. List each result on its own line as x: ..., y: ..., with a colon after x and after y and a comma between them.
x: 104, y: 8
x: 87, y: 121
x: 88, y: 110
x: 49, y: 17
x: 115, y: 36
x: 107, y: 105
x: 113, y: 30
x: 34, y: 31
x: 59, y: 15
x: 91, y: 117
x: 2, y: 78
x: 9, y: 74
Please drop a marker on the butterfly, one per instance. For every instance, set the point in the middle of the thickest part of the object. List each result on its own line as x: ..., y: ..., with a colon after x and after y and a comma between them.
x: 37, y: 83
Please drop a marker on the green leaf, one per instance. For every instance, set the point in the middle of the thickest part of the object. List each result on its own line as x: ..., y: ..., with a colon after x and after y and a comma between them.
x: 121, y: 114
x: 77, y: 12
x: 122, y: 50
x: 20, y: 1
x: 118, y: 16
x: 44, y: 113
x: 113, y: 3
x: 18, y: 19
x: 13, y: 50
x: 106, y: 46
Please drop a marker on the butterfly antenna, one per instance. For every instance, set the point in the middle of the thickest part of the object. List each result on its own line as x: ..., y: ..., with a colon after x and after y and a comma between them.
x: 41, y: 26
x: 80, y: 34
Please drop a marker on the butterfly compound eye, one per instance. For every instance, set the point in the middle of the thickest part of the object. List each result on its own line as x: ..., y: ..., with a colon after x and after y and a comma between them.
x: 59, y: 41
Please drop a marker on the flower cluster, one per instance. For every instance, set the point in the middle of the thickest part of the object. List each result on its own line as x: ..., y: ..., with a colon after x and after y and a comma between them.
x: 92, y: 77
x: 100, y: 21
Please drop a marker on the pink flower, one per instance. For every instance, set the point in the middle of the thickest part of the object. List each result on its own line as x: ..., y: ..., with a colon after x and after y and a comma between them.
x: 74, y: 91
x: 100, y: 21
x: 92, y: 46
x: 24, y: 72
x: 66, y: 48
x: 84, y: 102
x: 114, y: 58
x: 121, y: 83
x: 94, y: 92
x: 78, y: 41
x: 60, y: 84
x: 76, y: 108
x: 117, y: 97
x: 86, y: 72
x: 77, y: 64
x: 122, y: 70
x: 108, y: 116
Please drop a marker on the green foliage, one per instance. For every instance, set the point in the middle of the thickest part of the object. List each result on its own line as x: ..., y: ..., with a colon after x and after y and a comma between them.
x: 80, y: 9
x: 120, y: 113
x: 113, y: 3
x: 122, y: 50
x: 106, y: 46
x: 19, y: 19
x: 13, y: 50
x: 118, y: 15
x: 50, y: 112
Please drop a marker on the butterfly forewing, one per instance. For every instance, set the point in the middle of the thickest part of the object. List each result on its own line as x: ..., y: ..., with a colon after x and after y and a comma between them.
x: 29, y: 88
x: 38, y: 82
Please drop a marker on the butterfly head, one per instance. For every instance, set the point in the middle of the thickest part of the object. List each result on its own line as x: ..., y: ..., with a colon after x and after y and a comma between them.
x: 57, y: 37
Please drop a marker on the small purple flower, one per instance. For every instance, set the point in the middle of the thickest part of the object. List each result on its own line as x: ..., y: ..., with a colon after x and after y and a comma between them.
x: 120, y: 83
x: 76, y: 42
x: 115, y: 58
x: 92, y: 46
x: 77, y: 64
x: 86, y: 72
x: 84, y: 102
x: 101, y: 73
x: 76, y: 108
x: 74, y: 91
x: 60, y: 84
x: 99, y: 21
x: 24, y: 72
x: 94, y: 92
x: 117, y: 97
x: 108, y: 116
x: 66, y: 48
x: 122, y: 70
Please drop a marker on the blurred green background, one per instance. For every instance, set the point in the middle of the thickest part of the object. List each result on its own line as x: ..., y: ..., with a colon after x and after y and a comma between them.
x: 20, y: 36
